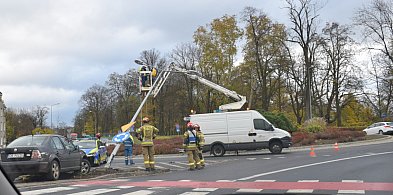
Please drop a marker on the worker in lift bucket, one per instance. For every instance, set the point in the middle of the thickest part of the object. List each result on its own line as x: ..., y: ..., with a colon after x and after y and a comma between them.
x: 143, y: 75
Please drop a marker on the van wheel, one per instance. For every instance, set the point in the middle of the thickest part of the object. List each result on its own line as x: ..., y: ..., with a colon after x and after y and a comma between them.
x: 218, y: 150
x: 380, y: 132
x: 275, y: 147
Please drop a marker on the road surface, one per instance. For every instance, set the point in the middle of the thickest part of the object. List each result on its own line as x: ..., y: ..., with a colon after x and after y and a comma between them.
x: 359, y: 169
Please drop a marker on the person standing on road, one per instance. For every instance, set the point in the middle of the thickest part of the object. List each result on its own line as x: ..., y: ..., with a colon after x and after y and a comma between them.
x: 200, y: 143
x: 146, y: 134
x: 128, y: 144
x: 190, y: 143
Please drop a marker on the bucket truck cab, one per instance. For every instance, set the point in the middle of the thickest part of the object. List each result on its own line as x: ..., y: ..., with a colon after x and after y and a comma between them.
x: 240, y: 130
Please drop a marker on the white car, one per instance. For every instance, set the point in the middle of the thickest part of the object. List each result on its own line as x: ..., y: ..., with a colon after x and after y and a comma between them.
x: 380, y: 128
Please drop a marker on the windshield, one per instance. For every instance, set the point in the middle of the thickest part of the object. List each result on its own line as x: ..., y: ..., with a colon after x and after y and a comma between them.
x: 27, y: 141
x: 85, y: 145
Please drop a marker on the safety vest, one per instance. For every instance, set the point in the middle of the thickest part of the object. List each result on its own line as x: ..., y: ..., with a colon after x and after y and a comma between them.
x: 201, y: 139
x: 190, y: 139
x: 128, y: 142
x: 148, y: 133
x: 154, y: 72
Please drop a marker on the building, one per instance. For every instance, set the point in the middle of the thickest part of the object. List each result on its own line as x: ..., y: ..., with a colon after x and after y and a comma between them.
x: 3, y: 132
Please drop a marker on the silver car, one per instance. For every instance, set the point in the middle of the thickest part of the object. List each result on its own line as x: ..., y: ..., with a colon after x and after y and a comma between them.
x: 379, y: 128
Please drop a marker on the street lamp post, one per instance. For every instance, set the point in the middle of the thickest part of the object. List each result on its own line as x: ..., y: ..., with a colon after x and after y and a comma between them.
x: 51, y: 125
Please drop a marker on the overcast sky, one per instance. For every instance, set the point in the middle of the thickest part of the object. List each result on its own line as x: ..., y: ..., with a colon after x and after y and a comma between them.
x: 52, y: 51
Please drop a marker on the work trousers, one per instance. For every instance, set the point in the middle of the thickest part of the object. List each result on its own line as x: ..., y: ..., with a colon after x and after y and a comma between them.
x: 148, y: 156
x: 128, y: 154
x: 202, y: 160
x: 193, y: 158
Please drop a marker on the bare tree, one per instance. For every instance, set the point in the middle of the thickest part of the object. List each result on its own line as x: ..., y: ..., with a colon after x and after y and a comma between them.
x: 39, y: 113
x: 303, y: 32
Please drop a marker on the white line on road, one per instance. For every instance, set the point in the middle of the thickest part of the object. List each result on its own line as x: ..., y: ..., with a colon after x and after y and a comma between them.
x: 205, y: 189
x: 309, y: 165
x: 172, y: 165
x: 96, y: 191
x: 49, y: 190
x: 141, y: 192
x: 351, y: 192
x: 266, y: 158
x: 249, y: 190
x: 300, y: 191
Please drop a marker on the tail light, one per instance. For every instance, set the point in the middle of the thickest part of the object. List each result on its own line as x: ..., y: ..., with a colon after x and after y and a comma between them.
x: 36, y: 154
x: 387, y: 126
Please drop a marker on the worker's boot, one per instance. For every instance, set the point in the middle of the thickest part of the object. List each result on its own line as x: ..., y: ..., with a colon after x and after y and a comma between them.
x: 132, y: 162
x: 126, y: 162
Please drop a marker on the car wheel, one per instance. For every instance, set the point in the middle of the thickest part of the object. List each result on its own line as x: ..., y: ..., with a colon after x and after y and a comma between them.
x: 380, y: 132
x: 54, y: 171
x: 275, y: 147
x: 218, y: 150
x: 85, y: 167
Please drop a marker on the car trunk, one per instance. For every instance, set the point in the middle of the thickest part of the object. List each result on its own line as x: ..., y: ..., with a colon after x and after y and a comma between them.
x: 17, y: 154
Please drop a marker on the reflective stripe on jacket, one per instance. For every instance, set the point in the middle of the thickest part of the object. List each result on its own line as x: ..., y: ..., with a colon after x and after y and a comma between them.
x: 148, y: 133
x: 190, y: 139
x: 201, y: 139
x: 128, y: 142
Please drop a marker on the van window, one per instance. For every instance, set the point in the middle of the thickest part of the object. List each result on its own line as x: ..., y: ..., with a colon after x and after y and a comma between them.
x: 260, y: 124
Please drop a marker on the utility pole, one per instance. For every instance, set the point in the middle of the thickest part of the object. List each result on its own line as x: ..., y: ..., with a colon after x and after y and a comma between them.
x: 51, y: 125
x: 3, y: 132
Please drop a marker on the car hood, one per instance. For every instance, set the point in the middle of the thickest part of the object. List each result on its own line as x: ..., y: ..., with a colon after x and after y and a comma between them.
x: 89, y: 150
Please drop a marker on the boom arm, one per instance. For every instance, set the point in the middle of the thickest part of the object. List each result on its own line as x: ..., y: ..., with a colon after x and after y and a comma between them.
x: 240, y: 100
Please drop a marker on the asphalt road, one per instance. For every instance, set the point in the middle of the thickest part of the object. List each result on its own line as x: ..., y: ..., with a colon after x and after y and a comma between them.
x: 357, y: 169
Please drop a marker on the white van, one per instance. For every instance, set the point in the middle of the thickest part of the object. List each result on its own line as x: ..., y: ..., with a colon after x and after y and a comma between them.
x: 240, y: 130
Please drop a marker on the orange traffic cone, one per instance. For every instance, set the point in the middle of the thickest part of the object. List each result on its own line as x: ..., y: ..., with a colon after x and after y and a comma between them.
x: 336, y: 147
x: 312, y: 153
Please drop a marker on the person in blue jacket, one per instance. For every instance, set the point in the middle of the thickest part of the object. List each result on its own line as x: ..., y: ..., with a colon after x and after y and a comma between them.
x: 128, y: 144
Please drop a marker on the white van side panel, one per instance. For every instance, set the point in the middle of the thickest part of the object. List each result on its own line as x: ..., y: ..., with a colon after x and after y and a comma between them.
x: 239, y: 125
x: 213, y: 126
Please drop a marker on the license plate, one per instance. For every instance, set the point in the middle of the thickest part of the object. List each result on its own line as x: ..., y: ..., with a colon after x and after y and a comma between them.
x: 16, y: 155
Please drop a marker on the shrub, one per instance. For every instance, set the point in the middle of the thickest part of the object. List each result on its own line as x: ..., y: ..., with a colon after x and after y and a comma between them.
x: 42, y: 131
x: 315, y: 125
x: 279, y: 120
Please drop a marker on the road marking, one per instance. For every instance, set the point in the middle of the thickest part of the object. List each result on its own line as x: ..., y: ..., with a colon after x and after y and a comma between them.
x: 205, y: 189
x: 249, y: 190
x: 195, y: 193
x: 79, y: 185
x: 141, y: 192
x: 265, y: 180
x: 184, y: 180
x: 300, y: 191
x: 153, y: 180
x: 172, y: 165
x: 250, y: 158
x: 117, y: 180
x: 353, y: 181
x: 94, y: 192
x: 49, y: 190
x: 266, y: 158
x: 308, y: 181
x: 158, y: 188
x: 326, y: 155
x: 182, y: 163
x: 351, y: 192
x: 281, y: 157
x: 156, y: 166
x: 309, y: 165
x: 124, y: 187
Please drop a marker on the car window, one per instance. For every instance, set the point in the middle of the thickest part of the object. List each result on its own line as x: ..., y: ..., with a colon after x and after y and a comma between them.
x: 261, y: 124
x: 58, y: 143
x: 67, y: 143
x: 28, y: 141
x: 390, y: 124
x: 52, y: 144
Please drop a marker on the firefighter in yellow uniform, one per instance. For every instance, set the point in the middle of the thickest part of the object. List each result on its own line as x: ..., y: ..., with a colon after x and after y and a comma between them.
x: 146, y: 134
x: 200, y: 143
x: 190, y: 143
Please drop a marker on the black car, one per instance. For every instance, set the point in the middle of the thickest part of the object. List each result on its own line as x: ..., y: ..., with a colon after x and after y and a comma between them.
x: 47, y: 155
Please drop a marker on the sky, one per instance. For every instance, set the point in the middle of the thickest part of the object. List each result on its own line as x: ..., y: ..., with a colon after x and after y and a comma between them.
x: 53, y: 51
